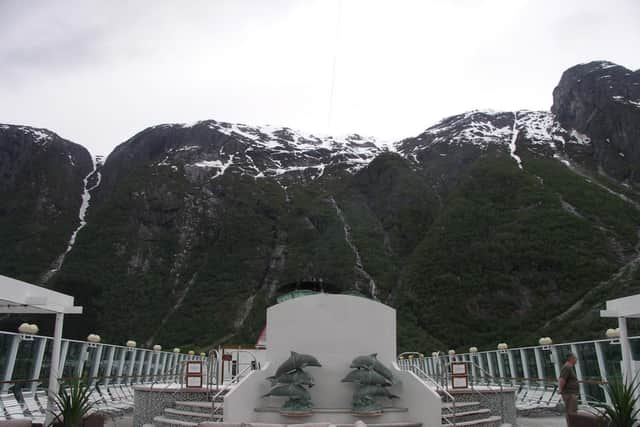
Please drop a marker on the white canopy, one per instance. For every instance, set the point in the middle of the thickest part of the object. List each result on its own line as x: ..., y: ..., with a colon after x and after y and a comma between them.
x: 21, y: 297
x: 622, y: 307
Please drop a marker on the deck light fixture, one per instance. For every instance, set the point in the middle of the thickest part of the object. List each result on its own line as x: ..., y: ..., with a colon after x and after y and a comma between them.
x: 452, y: 352
x: 191, y: 353
x: 545, y: 342
x: 435, y: 354
x: 613, y: 335
x: 93, y: 340
x: 473, y: 350
x: 503, y: 347
x: 157, y: 347
x: 176, y: 350
x: 203, y: 354
x: 131, y: 344
x: 27, y: 331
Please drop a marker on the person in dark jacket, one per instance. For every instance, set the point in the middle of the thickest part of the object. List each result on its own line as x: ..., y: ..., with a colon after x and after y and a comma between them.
x: 568, y: 384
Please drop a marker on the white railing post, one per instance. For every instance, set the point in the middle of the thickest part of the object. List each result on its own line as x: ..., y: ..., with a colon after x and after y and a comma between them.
x: 132, y: 364
x: 500, y: 365
x: 539, y: 364
x: 583, y: 390
x: 555, y: 359
x: 525, y: 366
x: 512, y: 367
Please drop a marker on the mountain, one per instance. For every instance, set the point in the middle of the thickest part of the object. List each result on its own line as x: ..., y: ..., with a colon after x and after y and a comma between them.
x: 487, y: 227
x: 41, y: 188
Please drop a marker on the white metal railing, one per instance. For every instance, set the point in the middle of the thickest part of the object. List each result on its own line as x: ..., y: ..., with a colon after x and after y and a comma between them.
x: 536, y: 365
x: 25, y: 361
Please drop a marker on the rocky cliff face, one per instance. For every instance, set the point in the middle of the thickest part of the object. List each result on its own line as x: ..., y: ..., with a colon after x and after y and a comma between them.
x: 40, y: 188
x: 487, y: 225
x: 602, y: 100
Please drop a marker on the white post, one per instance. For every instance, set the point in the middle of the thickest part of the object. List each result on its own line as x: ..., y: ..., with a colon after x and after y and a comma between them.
x: 525, y: 366
x: 625, y: 347
x: 500, y: 365
x: 54, y: 368
x: 583, y: 392
x: 555, y: 359
x: 539, y: 365
x: 512, y: 367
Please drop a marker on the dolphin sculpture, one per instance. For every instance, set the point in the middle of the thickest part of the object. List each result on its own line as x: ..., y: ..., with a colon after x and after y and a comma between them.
x: 371, y: 362
x: 298, y: 376
x: 292, y: 391
x: 296, y: 361
x: 366, y: 377
x: 367, y: 391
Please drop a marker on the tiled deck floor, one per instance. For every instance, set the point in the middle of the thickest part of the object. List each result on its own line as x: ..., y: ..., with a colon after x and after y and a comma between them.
x: 522, y: 422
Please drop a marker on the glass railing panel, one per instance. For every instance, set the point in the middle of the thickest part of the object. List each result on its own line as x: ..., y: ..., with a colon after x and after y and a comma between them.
x: 25, y: 359
x: 530, y: 355
x: 588, y: 365
x: 75, y: 356
x: 5, y: 348
x: 635, y: 348
x: 45, y: 370
x: 613, y: 358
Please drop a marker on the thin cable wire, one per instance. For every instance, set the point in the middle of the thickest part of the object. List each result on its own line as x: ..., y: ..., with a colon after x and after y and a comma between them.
x: 333, y: 70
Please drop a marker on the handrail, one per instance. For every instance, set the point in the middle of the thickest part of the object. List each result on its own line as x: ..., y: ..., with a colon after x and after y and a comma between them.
x: 226, y: 388
x: 494, y: 378
x: 424, y: 376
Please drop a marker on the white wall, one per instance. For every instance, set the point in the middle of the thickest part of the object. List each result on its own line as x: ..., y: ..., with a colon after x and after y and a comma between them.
x: 335, y: 329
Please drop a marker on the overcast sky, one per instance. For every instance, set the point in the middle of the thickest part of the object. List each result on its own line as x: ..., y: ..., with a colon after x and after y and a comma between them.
x: 97, y: 72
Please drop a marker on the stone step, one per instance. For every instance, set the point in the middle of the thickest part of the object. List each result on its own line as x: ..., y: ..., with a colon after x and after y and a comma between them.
x: 462, y: 416
x: 187, y: 415
x: 170, y: 422
x: 493, y: 421
x: 196, y: 406
x: 459, y: 405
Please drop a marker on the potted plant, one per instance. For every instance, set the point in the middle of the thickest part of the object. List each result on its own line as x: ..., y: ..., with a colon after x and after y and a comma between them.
x: 624, y: 408
x: 73, y: 404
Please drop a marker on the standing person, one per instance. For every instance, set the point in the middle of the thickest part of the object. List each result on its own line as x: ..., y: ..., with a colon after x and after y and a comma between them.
x: 568, y: 385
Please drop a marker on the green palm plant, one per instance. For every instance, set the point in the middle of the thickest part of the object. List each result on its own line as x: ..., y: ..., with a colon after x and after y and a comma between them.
x: 72, y: 403
x: 623, y: 410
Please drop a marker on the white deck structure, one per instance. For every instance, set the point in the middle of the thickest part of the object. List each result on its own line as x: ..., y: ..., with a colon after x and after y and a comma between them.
x: 21, y: 297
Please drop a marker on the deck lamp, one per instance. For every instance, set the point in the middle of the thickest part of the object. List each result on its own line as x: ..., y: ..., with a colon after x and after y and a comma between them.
x: 452, y: 352
x: 503, y: 347
x: 93, y: 340
x: 191, y: 353
x: 27, y: 331
x: 176, y: 350
x: 473, y: 350
x: 157, y: 347
x: 545, y: 342
x: 131, y: 344
x: 435, y: 354
x: 203, y: 354
x: 613, y: 335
